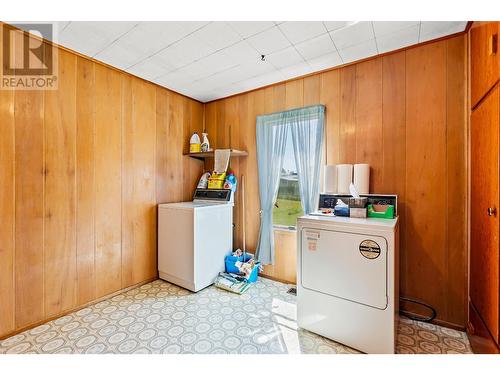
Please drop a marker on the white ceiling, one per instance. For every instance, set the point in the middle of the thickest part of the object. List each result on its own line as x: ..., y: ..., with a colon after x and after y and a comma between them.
x: 211, y: 60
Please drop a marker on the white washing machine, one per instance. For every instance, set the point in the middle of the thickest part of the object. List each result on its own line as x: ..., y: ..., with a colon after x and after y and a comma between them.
x: 347, y: 280
x: 194, y: 237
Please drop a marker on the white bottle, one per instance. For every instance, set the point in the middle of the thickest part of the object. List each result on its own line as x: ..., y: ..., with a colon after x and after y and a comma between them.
x: 194, y: 143
x: 203, y: 183
x: 205, y: 145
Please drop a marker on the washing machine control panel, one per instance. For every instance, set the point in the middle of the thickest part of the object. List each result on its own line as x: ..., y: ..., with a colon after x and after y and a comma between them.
x: 220, y: 195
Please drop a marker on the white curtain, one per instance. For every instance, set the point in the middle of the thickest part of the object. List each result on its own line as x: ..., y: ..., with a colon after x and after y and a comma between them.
x: 307, y: 136
x: 271, y: 141
x: 306, y: 127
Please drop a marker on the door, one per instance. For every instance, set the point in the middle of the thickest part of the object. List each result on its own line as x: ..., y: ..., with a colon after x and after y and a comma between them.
x: 484, y: 252
x: 346, y: 265
x: 485, y: 58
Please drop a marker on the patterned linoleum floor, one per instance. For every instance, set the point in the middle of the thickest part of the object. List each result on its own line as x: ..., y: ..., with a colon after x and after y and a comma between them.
x: 162, y: 318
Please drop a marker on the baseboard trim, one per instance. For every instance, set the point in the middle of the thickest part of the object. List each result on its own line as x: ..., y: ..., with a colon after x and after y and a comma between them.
x: 70, y: 311
x: 480, y: 338
x: 276, y: 279
x: 444, y: 323
x: 439, y: 322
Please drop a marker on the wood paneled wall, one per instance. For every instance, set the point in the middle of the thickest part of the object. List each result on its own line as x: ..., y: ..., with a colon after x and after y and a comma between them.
x: 404, y: 114
x: 82, y: 169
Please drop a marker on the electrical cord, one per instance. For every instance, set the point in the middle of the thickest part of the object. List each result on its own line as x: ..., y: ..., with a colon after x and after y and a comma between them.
x: 416, y: 317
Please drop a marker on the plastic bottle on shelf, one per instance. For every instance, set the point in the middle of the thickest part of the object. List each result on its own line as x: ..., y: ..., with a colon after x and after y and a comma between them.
x: 194, y: 143
x: 205, y: 145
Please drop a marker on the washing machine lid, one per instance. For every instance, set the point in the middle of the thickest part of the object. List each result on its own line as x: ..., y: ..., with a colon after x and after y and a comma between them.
x: 345, y: 265
x: 193, y: 205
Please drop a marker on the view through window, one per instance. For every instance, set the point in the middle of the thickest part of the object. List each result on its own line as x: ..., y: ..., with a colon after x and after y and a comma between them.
x: 288, y: 207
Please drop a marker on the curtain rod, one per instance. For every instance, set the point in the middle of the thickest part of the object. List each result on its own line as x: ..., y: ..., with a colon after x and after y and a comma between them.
x: 295, y: 109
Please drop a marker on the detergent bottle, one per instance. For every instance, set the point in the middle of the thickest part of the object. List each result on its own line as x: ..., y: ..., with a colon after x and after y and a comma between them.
x: 205, y: 145
x: 194, y: 143
x: 230, y: 182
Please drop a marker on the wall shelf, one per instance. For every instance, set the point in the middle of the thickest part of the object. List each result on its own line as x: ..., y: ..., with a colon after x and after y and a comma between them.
x: 210, y: 154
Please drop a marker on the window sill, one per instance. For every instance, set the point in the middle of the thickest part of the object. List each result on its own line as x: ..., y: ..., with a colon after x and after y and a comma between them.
x: 282, y: 228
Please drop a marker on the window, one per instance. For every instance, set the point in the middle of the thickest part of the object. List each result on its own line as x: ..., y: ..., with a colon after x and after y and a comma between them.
x: 288, y: 207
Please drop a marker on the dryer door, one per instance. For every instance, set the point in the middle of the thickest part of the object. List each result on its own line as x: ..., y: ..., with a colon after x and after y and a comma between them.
x: 350, y: 266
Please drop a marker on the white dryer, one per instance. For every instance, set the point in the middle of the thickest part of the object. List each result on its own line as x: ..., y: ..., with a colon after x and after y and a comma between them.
x: 194, y: 237
x: 347, y: 280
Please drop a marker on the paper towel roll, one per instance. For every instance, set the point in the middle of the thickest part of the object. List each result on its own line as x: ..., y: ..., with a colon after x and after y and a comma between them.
x: 330, y: 179
x: 344, y: 178
x: 362, y: 178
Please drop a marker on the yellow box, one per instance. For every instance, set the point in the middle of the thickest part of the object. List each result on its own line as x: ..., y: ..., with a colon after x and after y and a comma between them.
x: 216, y: 180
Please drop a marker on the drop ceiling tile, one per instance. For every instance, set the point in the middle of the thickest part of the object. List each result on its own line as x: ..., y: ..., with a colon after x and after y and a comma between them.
x: 177, y: 56
x: 119, y: 56
x: 359, y: 51
x: 248, y: 28
x: 296, y: 70
x: 398, y: 39
x: 202, y: 96
x: 261, y: 80
x: 219, y: 79
x: 216, y: 62
x: 353, y: 34
x: 228, y: 76
x: 335, y: 25
x: 151, y: 68
x: 199, y: 86
x: 241, y: 52
x: 288, y: 56
x: 175, y: 80
x: 185, y: 51
x: 89, y: 38
x: 207, y: 66
x: 435, y: 29
x: 218, y: 35
x: 60, y: 26
x: 382, y: 28
x: 269, y: 41
x: 220, y: 92
x: 316, y: 47
x: 326, y: 61
x: 194, y: 70
x: 299, y: 31
x: 145, y: 40
x: 257, y: 67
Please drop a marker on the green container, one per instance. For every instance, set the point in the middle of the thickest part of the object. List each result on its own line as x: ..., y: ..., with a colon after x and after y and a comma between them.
x: 387, y: 214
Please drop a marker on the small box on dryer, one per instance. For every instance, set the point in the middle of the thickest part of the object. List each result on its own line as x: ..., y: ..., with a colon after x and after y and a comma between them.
x: 357, y: 212
x: 357, y: 207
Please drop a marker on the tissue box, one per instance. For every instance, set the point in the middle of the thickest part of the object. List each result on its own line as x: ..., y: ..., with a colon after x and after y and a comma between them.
x: 358, y: 203
x: 357, y: 212
x: 341, y: 211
